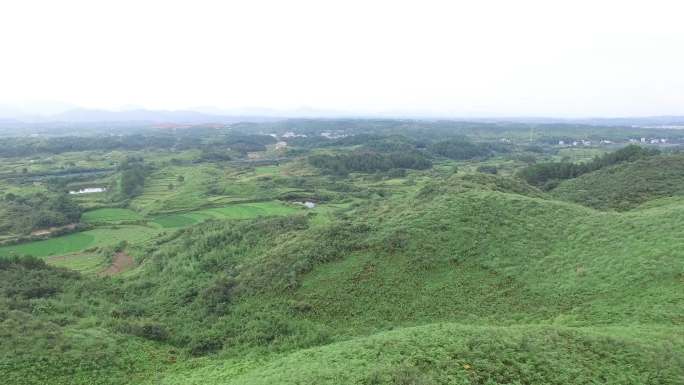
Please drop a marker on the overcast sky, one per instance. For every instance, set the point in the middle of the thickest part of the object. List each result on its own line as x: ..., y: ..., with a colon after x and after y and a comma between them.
x: 485, y: 58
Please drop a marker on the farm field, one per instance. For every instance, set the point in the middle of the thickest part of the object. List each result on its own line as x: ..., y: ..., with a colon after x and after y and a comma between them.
x: 71, y: 243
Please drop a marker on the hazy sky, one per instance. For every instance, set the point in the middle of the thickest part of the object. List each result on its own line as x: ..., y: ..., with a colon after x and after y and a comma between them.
x: 562, y: 58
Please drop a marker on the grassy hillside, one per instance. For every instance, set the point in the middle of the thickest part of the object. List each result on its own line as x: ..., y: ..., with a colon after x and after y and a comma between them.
x: 463, y: 354
x: 626, y: 185
x: 388, y: 291
x: 474, y: 257
x: 50, y: 336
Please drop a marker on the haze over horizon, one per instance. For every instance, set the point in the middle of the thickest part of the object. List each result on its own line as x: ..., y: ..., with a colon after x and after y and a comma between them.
x: 529, y: 58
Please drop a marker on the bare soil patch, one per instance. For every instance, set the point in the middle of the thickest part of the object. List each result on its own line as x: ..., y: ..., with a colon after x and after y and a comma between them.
x: 120, y: 263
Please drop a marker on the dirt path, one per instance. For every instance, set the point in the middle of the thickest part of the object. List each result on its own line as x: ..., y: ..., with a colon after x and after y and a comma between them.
x: 120, y: 262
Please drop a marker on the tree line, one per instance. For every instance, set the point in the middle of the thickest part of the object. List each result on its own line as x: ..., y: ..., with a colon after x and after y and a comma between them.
x: 547, y: 175
x: 242, y: 143
x: 23, y: 214
x: 369, y: 161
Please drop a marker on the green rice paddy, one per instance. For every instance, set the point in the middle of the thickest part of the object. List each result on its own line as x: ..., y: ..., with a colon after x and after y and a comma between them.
x: 80, y: 241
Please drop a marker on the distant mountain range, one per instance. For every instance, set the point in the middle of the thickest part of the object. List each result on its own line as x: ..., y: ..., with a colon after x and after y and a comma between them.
x: 147, y: 116
x: 61, y: 113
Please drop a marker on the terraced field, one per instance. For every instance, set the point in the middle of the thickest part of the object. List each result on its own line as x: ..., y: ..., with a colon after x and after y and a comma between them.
x: 164, y: 192
x: 236, y: 211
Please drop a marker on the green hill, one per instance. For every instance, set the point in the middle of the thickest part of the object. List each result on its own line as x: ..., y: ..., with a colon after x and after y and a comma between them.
x: 470, y: 280
x: 463, y: 354
x: 627, y: 185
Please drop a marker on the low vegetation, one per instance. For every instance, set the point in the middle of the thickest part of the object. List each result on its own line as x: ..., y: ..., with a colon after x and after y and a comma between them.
x: 379, y: 253
x: 626, y: 186
x: 367, y: 161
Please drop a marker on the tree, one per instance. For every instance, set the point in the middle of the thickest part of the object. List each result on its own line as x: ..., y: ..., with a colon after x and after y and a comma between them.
x: 133, y: 173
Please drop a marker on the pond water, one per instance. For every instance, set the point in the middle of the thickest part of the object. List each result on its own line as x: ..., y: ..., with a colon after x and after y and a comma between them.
x: 88, y: 190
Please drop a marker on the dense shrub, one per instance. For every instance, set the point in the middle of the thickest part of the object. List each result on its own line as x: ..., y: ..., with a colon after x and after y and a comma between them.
x: 460, y: 149
x: 133, y: 173
x: 204, y: 344
x: 219, y: 295
x: 22, y: 214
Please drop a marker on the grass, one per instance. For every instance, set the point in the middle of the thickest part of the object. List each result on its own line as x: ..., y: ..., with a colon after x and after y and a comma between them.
x: 110, y: 215
x: 80, y: 241
x: 462, y: 354
x: 53, y: 246
x: 86, y: 263
x: 267, y: 170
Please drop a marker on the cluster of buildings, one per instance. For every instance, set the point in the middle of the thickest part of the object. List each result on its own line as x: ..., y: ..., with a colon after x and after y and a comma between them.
x: 333, y: 135
x: 649, y: 140
x: 584, y: 142
x: 291, y: 134
x: 575, y: 143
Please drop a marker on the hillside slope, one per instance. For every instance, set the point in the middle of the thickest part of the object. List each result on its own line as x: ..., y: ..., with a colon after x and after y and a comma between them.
x: 463, y: 354
x: 626, y: 185
x: 456, y: 252
x: 389, y: 293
